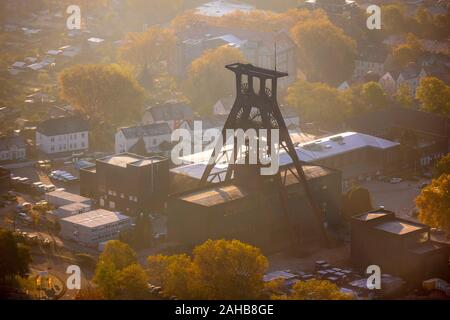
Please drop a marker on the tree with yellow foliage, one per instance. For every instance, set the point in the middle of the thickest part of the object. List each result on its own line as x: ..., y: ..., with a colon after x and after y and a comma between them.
x: 315, y: 290
x: 434, y: 95
x: 434, y: 203
x: 118, y: 275
x: 208, y: 80
x: 442, y: 166
x: 148, y: 51
x: 325, y: 53
x: 102, y: 92
x: 219, y: 269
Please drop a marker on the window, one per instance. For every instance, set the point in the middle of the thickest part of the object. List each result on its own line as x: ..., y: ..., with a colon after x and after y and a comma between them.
x: 112, y: 205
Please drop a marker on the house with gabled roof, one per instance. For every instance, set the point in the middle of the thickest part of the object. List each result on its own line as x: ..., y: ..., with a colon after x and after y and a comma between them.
x: 63, y: 134
x: 12, y: 148
x: 172, y: 112
x: 152, y: 135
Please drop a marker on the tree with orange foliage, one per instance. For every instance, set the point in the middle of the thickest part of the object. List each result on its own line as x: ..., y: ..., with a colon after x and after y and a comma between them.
x: 434, y: 203
x: 208, y: 80
x: 148, y: 51
x: 325, y: 53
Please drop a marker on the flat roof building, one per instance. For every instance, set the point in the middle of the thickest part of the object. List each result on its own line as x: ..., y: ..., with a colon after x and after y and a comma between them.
x: 354, y: 154
x: 127, y: 182
x: 71, y: 209
x: 60, y: 198
x: 400, y: 247
x: 92, y: 227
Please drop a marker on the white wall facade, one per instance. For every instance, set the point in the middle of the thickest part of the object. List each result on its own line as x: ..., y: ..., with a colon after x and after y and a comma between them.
x: 62, y: 143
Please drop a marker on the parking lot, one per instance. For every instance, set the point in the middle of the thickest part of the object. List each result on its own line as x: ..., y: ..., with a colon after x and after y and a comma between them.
x: 396, y: 197
x: 38, y: 175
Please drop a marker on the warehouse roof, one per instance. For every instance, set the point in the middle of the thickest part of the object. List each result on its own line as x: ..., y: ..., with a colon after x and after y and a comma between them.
x: 63, y: 125
x: 74, y: 206
x: 155, y: 129
x: 215, y: 195
x: 399, y: 227
x: 96, y: 218
x: 317, y: 149
x: 375, y: 214
x: 125, y: 159
x: 68, y: 196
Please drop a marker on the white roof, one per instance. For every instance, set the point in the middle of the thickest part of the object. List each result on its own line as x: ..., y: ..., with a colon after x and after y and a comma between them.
x: 326, y: 148
x: 54, y: 52
x: 36, y: 66
x: 96, y: 218
x: 96, y: 40
x: 68, y: 196
x: 311, y: 151
x: 18, y: 64
x: 74, y: 206
x: 219, y: 8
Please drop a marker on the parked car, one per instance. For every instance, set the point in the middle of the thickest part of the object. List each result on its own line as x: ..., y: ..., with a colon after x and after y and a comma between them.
x: 423, y: 185
x: 395, y: 180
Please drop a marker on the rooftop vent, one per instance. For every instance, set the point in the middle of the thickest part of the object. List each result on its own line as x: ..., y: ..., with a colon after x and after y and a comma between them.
x: 313, y: 146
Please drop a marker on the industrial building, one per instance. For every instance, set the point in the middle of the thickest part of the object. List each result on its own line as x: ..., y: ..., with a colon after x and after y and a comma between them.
x: 93, y: 227
x: 398, y: 246
x: 127, y: 182
x: 291, y: 208
x: 71, y: 209
x: 60, y: 198
x: 235, y: 211
x: 356, y: 155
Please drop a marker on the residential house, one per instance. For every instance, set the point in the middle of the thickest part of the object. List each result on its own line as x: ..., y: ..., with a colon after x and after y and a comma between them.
x: 152, y: 134
x: 411, y: 76
x: 262, y: 49
x: 370, y: 59
x: 389, y: 83
x: 343, y: 86
x: 12, y: 148
x: 331, y: 7
x: 63, y: 134
x: 174, y: 113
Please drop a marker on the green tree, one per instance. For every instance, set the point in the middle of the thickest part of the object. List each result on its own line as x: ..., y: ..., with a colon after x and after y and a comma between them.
x: 442, y: 166
x: 14, y: 258
x: 106, y: 92
x: 357, y: 200
x: 434, y: 96
x: 325, y: 53
x: 434, y: 203
x: 208, y: 80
